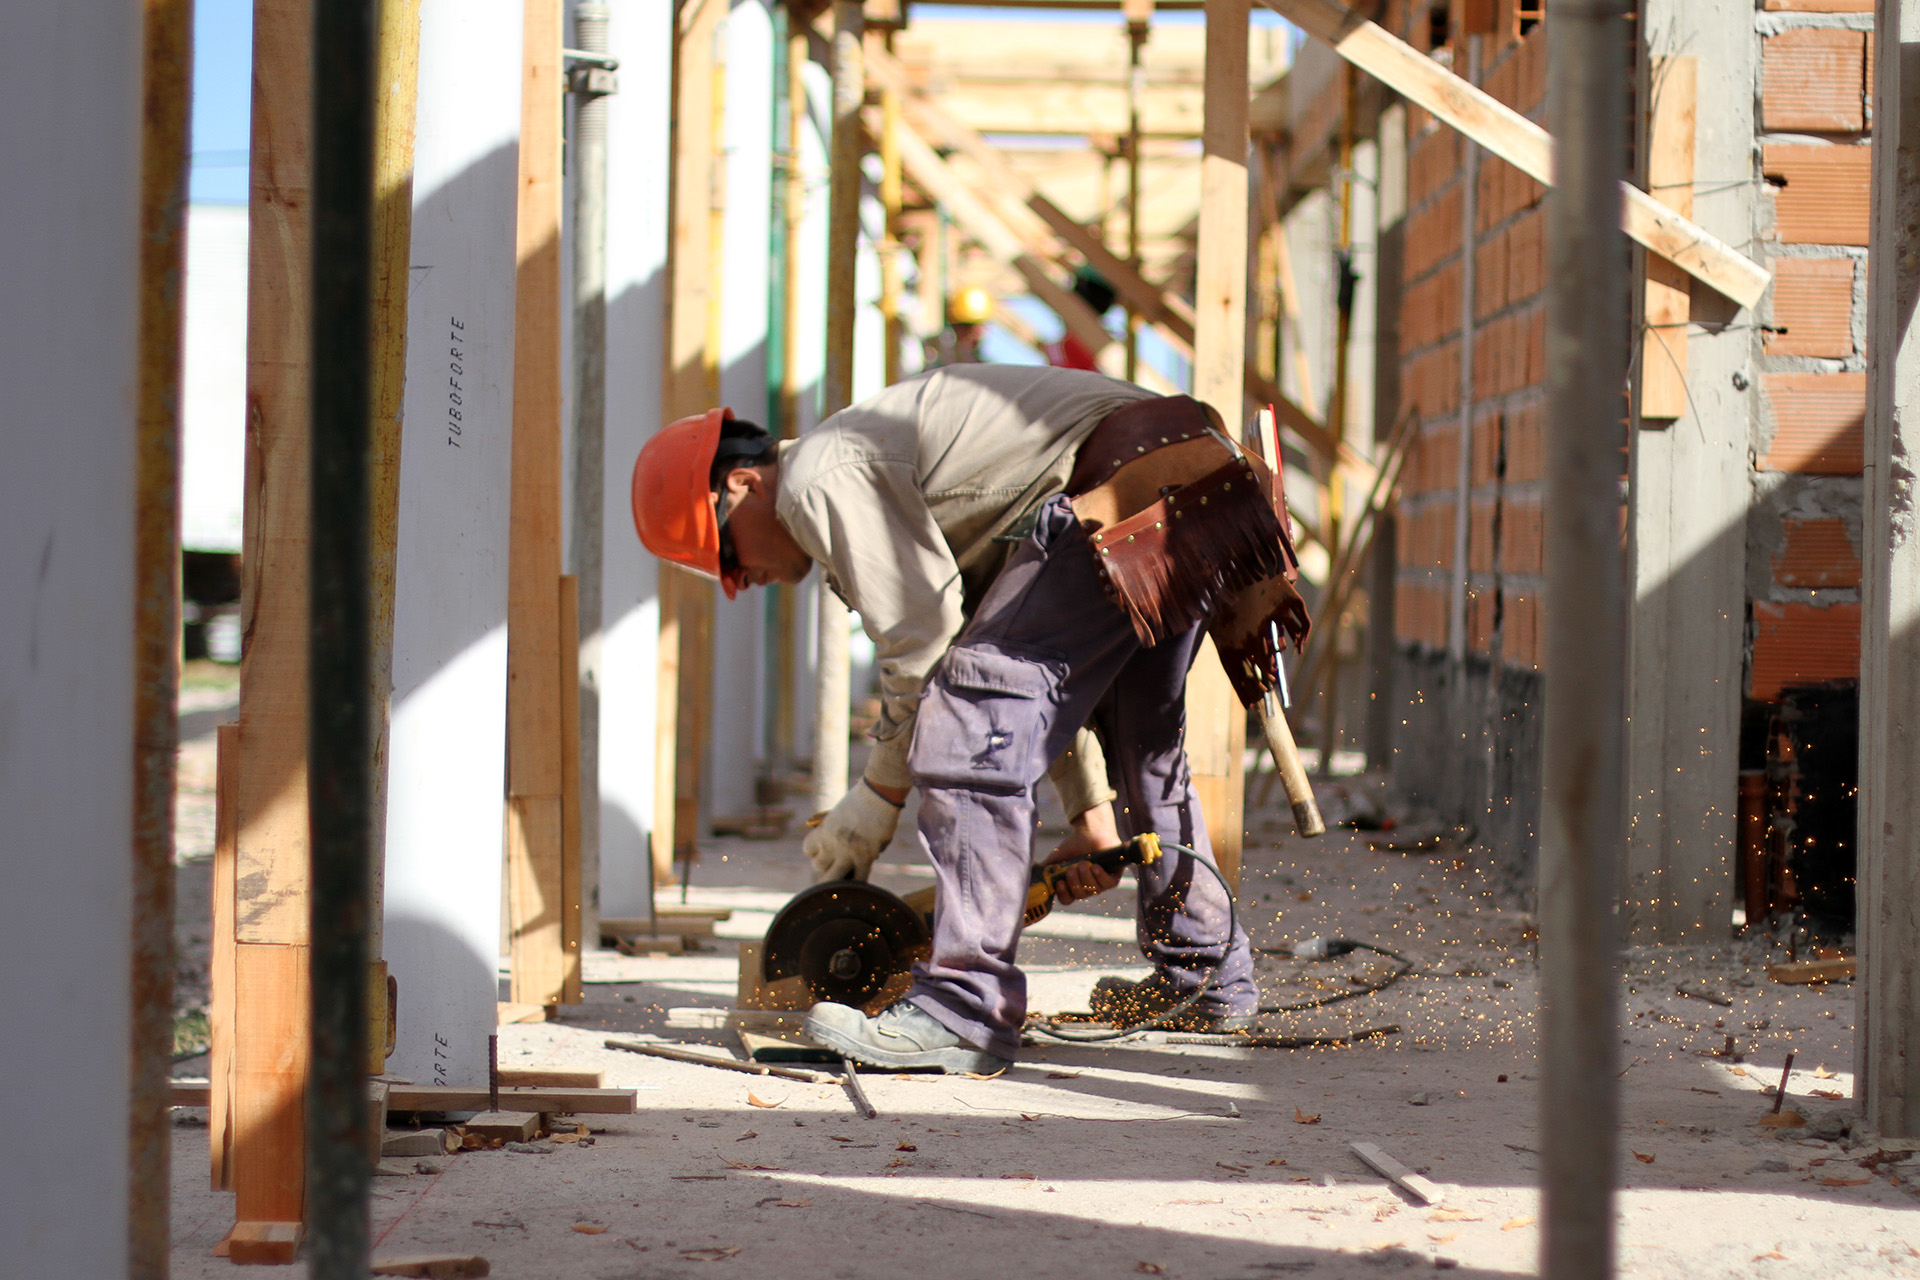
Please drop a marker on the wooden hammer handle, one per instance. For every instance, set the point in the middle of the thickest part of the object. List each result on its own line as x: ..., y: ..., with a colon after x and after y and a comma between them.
x: 1293, y: 774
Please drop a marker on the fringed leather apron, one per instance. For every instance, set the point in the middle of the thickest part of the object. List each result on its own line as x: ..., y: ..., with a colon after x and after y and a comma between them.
x: 1186, y: 526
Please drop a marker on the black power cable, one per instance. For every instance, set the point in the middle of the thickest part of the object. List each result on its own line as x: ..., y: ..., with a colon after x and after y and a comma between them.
x: 1313, y: 949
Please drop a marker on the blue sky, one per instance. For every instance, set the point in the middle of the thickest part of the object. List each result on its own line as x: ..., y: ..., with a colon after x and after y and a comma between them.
x: 222, y: 89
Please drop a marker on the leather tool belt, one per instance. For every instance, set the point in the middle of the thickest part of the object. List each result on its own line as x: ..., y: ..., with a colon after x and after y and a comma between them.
x: 1187, y: 527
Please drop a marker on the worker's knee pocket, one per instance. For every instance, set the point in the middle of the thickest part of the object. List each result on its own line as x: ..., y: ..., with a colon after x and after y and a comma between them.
x: 984, y: 717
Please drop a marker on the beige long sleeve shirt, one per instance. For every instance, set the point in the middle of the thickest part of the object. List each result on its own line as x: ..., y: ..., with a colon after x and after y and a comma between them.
x: 901, y: 499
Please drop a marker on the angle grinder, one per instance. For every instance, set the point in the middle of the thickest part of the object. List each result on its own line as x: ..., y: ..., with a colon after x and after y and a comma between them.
x: 854, y: 943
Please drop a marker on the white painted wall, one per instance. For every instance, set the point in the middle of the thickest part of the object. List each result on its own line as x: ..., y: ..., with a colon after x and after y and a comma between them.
x: 213, y: 408
x: 447, y: 758
x: 69, y: 226
x: 640, y: 36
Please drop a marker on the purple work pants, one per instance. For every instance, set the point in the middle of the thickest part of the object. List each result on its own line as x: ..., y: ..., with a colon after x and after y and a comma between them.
x: 1045, y: 653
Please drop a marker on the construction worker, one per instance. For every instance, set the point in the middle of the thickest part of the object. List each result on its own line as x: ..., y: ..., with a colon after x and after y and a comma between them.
x: 968, y: 312
x: 940, y: 511
x: 1067, y: 351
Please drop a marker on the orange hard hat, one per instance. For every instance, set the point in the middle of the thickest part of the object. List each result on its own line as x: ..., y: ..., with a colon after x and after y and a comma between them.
x: 673, y: 508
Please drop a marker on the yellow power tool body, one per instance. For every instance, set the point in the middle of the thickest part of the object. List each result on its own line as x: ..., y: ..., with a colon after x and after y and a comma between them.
x: 1141, y: 851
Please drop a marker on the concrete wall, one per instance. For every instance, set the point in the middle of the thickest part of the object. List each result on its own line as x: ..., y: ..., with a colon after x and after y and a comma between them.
x: 69, y: 219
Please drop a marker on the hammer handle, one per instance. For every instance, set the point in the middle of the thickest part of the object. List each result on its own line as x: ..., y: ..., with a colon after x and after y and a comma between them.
x: 1293, y: 774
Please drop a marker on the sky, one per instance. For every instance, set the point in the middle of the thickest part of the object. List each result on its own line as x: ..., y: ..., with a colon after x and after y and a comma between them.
x: 222, y: 88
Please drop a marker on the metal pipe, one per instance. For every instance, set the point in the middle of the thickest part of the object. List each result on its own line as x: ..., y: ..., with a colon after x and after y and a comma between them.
x: 1583, y: 810
x: 831, y: 709
x: 1459, y: 643
x: 167, y: 76
x: 1136, y: 89
x: 591, y: 84
x: 777, y: 609
x: 340, y: 714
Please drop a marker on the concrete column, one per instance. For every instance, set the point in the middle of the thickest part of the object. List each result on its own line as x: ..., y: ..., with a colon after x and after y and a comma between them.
x: 448, y: 745
x: 641, y: 37
x: 1689, y: 497
x: 69, y: 237
x: 1889, y: 884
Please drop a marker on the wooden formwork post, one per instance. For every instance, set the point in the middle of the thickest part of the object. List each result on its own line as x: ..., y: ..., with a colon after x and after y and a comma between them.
x: 269, y: 1007
x: 543, y: 968
x: 684, y: 391
x: 1216, y: 723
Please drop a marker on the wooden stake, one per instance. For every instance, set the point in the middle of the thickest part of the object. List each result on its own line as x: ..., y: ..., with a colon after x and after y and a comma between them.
x: 570, y: 869
x: 1663, y: 350
x: 1216, y: 722
x: 534, y: 692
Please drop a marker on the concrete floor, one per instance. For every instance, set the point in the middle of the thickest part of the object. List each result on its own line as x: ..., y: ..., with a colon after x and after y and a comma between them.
x: 1154, y: 1158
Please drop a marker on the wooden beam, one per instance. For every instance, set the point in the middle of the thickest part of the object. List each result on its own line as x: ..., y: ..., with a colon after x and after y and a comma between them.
x: 220, y: 1002
x: 1216, y: 722
x: 1518, y: 140
x: 534, y: 692
x: 1048, y: 231
x: 1669, y: 293
x: 395, y: 110
x: 571, y: 1099
x: 270, y: 1006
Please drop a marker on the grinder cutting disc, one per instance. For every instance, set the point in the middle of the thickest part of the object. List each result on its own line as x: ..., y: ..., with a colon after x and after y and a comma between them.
x: 850, y: 942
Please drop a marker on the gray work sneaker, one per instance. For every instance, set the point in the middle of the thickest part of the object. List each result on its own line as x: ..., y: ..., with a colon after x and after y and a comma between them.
x: 904, y: 1037
x: 1121, y: 1002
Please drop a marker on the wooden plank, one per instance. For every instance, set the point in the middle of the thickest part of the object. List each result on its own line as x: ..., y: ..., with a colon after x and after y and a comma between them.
x: 684, y: 390
x: 571, y: 1101
x: 536, y: 932
x: 570, y: 992
x: 506, y: 1126
x: 551, y: 1078
x: 220, y: 1004
x: 263, y: 1244
x: 395, y: 112
x: 434, y: 1266
x: 1663, y: 349
x: 271, y: 1054
x: 1387, y: 1167
x: 1216, y: 722
x: 1517, y: 140
x: 1796, y: 972
x: 272, y: 798
x: 533, y: 576
x: 534, y: 692
x: 409, y: 1098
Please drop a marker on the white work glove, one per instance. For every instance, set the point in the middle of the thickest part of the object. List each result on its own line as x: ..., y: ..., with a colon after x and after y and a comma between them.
x: 852, y: 834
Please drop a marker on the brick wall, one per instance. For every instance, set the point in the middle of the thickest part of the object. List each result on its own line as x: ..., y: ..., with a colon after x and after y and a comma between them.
x: 1508, y: 248
x: 1803, y: 534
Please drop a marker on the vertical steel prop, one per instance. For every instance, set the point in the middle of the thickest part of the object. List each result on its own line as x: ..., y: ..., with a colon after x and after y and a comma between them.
x: 831, y: 710
x: 1583, y: 826
x: 340, y: 721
